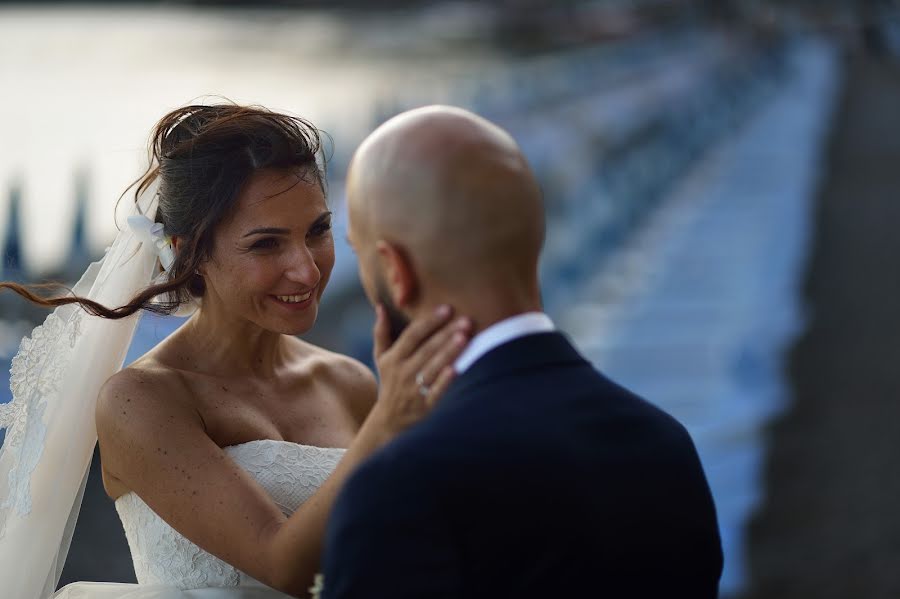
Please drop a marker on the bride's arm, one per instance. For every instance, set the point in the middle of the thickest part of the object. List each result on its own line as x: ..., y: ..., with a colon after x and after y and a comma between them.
x: 154, y: 441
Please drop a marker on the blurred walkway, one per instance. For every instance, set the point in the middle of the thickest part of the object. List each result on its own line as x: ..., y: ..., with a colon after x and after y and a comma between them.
x: 696, y: 310
x: 830, y: 526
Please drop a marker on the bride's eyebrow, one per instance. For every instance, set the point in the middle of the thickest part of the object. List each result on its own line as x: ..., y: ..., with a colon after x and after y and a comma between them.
x: 322, y: 218
x: 282, y: 231
x: 267, y: 231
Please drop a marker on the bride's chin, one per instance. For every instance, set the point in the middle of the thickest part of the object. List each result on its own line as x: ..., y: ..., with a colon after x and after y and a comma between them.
x: 296, y: 326
x: 288, y: 319
x: 298, y: 330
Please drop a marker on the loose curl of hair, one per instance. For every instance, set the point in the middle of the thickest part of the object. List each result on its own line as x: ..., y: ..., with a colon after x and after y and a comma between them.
x: 200, y: 157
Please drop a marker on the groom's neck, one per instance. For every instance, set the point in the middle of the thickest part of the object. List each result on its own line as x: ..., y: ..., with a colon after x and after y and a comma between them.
x: 487, y: 307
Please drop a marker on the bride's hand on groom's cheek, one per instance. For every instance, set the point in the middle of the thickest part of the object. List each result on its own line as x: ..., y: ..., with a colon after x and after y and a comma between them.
x: 417, y: 368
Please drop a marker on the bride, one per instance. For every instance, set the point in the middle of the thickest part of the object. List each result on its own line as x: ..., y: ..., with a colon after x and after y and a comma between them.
x: 225, y: 445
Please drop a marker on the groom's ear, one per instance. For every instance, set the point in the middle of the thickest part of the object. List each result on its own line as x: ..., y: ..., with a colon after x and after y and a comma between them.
x: 399, y: 273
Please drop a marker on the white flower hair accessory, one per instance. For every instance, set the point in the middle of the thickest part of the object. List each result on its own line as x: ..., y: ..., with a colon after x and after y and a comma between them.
x: 154, y: 234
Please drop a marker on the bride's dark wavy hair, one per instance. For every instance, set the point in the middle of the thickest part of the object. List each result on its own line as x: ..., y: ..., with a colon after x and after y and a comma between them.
x: 200, y: 157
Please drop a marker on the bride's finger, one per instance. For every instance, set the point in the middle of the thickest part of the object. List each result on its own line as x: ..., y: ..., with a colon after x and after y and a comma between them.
x: 439, y: 351
x: 437, y: 388
x: 419, y: 330
x: 438, y: 340
x: 381, y: 332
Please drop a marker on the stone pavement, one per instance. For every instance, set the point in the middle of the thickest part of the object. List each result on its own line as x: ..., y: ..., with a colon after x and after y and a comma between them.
x: 695, y: 311
x: 830, y: 524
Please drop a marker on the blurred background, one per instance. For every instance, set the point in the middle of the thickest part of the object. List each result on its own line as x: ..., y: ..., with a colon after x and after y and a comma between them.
x: 722, y: 182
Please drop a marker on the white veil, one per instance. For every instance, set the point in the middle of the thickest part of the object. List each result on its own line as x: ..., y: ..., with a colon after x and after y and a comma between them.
x: 50, y: 438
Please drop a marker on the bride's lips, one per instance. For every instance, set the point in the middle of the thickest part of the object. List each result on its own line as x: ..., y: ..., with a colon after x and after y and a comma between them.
x: 295, y: 306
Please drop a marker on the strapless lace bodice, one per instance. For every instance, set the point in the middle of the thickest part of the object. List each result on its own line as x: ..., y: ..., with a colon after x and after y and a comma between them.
x: 289, y: 472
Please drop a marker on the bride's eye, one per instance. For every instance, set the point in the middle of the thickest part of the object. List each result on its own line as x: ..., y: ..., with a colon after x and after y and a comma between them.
x: 320, y: 229
x: 265, y: 244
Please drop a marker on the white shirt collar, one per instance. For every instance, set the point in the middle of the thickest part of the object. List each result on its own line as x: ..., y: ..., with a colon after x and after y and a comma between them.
x: 500, y: 333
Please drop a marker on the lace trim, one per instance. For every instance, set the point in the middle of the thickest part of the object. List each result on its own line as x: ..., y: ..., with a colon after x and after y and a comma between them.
x: 35, y: 376
x: 289, y: 472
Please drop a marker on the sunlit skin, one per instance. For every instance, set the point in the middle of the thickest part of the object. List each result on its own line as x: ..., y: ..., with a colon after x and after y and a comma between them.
x: 236, y: 373
x: 277, y: 242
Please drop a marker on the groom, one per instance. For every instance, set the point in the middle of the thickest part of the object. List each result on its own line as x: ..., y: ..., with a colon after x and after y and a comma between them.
x: 535, y: 475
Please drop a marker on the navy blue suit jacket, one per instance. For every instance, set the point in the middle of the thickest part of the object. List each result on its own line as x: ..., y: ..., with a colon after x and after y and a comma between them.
x: 535, y: 476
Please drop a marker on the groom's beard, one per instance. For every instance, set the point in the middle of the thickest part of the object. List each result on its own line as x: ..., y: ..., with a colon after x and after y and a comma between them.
x: 397, y: 320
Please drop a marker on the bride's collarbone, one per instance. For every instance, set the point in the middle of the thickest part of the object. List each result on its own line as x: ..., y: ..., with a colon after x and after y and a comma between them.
x: 287, y: 392
x: 300, y: 408
x: 312, y: 397
x: 193, y: 381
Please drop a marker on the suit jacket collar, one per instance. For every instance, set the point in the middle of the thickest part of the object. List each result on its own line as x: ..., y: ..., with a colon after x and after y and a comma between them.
x: 501, y: 332
x: 525, y: 353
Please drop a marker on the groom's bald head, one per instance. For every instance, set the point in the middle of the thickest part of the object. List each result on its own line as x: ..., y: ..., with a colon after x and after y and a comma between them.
x: 452, y: 190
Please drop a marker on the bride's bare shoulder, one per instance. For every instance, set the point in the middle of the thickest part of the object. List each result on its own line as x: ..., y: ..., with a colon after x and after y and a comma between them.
x: 142, y: 394
x: 134, y: 407
x: 146, y: 377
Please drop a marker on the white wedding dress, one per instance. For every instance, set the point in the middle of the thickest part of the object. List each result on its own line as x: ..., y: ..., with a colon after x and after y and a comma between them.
x: 55, y: 379
x: 169, y: 566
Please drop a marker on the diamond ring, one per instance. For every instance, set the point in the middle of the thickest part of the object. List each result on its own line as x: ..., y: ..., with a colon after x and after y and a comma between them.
x: 423, y: 388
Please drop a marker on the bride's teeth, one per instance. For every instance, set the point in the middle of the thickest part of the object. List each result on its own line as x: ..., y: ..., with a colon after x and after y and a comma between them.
x: 294, y: 299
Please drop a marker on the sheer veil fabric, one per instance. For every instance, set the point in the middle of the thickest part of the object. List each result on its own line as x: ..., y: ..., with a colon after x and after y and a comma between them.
x: 55, y: 378
x: 104, y: 590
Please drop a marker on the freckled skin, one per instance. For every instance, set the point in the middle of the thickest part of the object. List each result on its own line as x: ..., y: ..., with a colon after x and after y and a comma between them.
x: 235, y: 373
x: 246, y: 271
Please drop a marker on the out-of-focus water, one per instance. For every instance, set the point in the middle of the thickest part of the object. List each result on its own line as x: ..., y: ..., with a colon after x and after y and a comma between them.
x: 83, y: 87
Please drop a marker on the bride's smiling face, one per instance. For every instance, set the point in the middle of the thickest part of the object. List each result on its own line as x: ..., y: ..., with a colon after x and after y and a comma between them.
x: 273, y: 255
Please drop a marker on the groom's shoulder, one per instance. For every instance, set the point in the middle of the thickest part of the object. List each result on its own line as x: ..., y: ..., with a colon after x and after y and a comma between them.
x: 393, y: 479
x: 419, y: 458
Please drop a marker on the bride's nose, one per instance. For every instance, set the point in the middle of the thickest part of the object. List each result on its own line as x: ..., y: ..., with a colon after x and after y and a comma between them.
x: 301, y: 266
